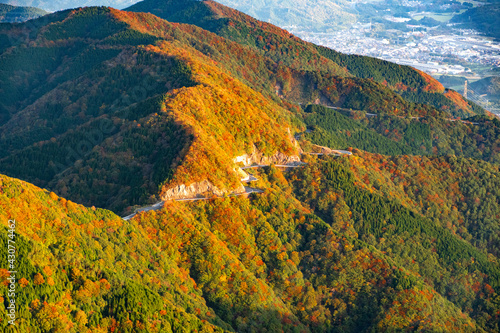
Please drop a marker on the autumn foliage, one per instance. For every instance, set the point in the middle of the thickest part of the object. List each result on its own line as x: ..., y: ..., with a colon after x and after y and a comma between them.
x: 112, y: 109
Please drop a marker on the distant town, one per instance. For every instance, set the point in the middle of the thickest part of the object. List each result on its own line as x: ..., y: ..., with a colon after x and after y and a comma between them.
x: 422, y: 37
x: 428, y: 50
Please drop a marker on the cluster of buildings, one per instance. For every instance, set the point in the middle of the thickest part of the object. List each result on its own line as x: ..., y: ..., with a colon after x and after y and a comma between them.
x: 431, y: 50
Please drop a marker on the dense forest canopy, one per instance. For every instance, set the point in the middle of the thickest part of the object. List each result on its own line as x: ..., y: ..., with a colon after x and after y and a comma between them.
x: 483, y: 18
x: 105, y: 111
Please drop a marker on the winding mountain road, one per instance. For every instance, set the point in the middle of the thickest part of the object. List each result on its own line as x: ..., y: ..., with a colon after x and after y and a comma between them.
x: 375, y: 115
x: 335, y: 152
x: 159, y: 205
x: 248, y: 190
x: 156, y: 206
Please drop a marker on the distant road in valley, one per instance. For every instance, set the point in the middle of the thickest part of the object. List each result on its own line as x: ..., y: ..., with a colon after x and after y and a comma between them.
x: 375, y: 115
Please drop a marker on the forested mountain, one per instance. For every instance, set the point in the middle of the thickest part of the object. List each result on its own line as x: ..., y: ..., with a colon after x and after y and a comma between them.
x: 19, y: 14
x: 485, y: 18
x: 117, y: 109
x: 55, y: 5
x: 489, y: 86
x: 477, y: 137
x: 316, y: 14
x: 126, y: 109
x: 84, y: 87
x: 306, y: 58
x: 326, y: 248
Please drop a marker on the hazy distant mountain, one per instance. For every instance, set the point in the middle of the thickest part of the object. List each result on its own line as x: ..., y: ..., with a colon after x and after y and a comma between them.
x: 310, y: 14
x: 301, y: 13
x: 10, y: 13
x: 425, y: 21
x: 485, y: 19
x: 55, y: 5
x: 489, y: 85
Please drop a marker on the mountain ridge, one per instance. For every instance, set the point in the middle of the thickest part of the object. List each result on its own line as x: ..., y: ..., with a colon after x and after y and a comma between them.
x: 178, y: 240
x: 114, y: 109
x: 239, y: 27
x: 10, y: 14
x: 59, y: 5
x: 112, y: 42
x: 196, y: 69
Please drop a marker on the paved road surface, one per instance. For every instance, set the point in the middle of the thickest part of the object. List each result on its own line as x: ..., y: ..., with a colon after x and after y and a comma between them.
x: 156, y: 206
x: 375, y: 115
x: 249, y: 190
x: 159, y: 205
x: 295, y: 165
x: 336, y: 108
x: 251, y: 178
x: 254, y: 166
x: 464, y: 121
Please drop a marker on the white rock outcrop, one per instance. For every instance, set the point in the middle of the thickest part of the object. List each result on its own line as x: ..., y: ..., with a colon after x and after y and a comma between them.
x: 205, y: 188
x: 257, y: 158
x: 195, y: 190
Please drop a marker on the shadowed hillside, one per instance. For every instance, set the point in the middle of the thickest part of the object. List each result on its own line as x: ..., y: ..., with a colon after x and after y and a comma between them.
x: 262, y: 264
x: 284, y: 48
x: 120, y: 109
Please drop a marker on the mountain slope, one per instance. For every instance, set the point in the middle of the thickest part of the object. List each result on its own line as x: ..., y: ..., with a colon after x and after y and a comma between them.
x: 284, y: 48
x: 121, y: 109
x: 489, y: 86
x: 9, y: 14
x: 484, y: 18
x: 124, y: 95
x: 410, y: 237
x: 451, y: 186
x: 476, y: 137
x: 76, y: 272
x: 232, y: 264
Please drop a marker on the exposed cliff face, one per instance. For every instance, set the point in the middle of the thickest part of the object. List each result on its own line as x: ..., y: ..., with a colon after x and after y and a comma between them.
x: 257, y: 158
x: 242, y: 174
x: 196, y: 190
x: 206, y: 188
